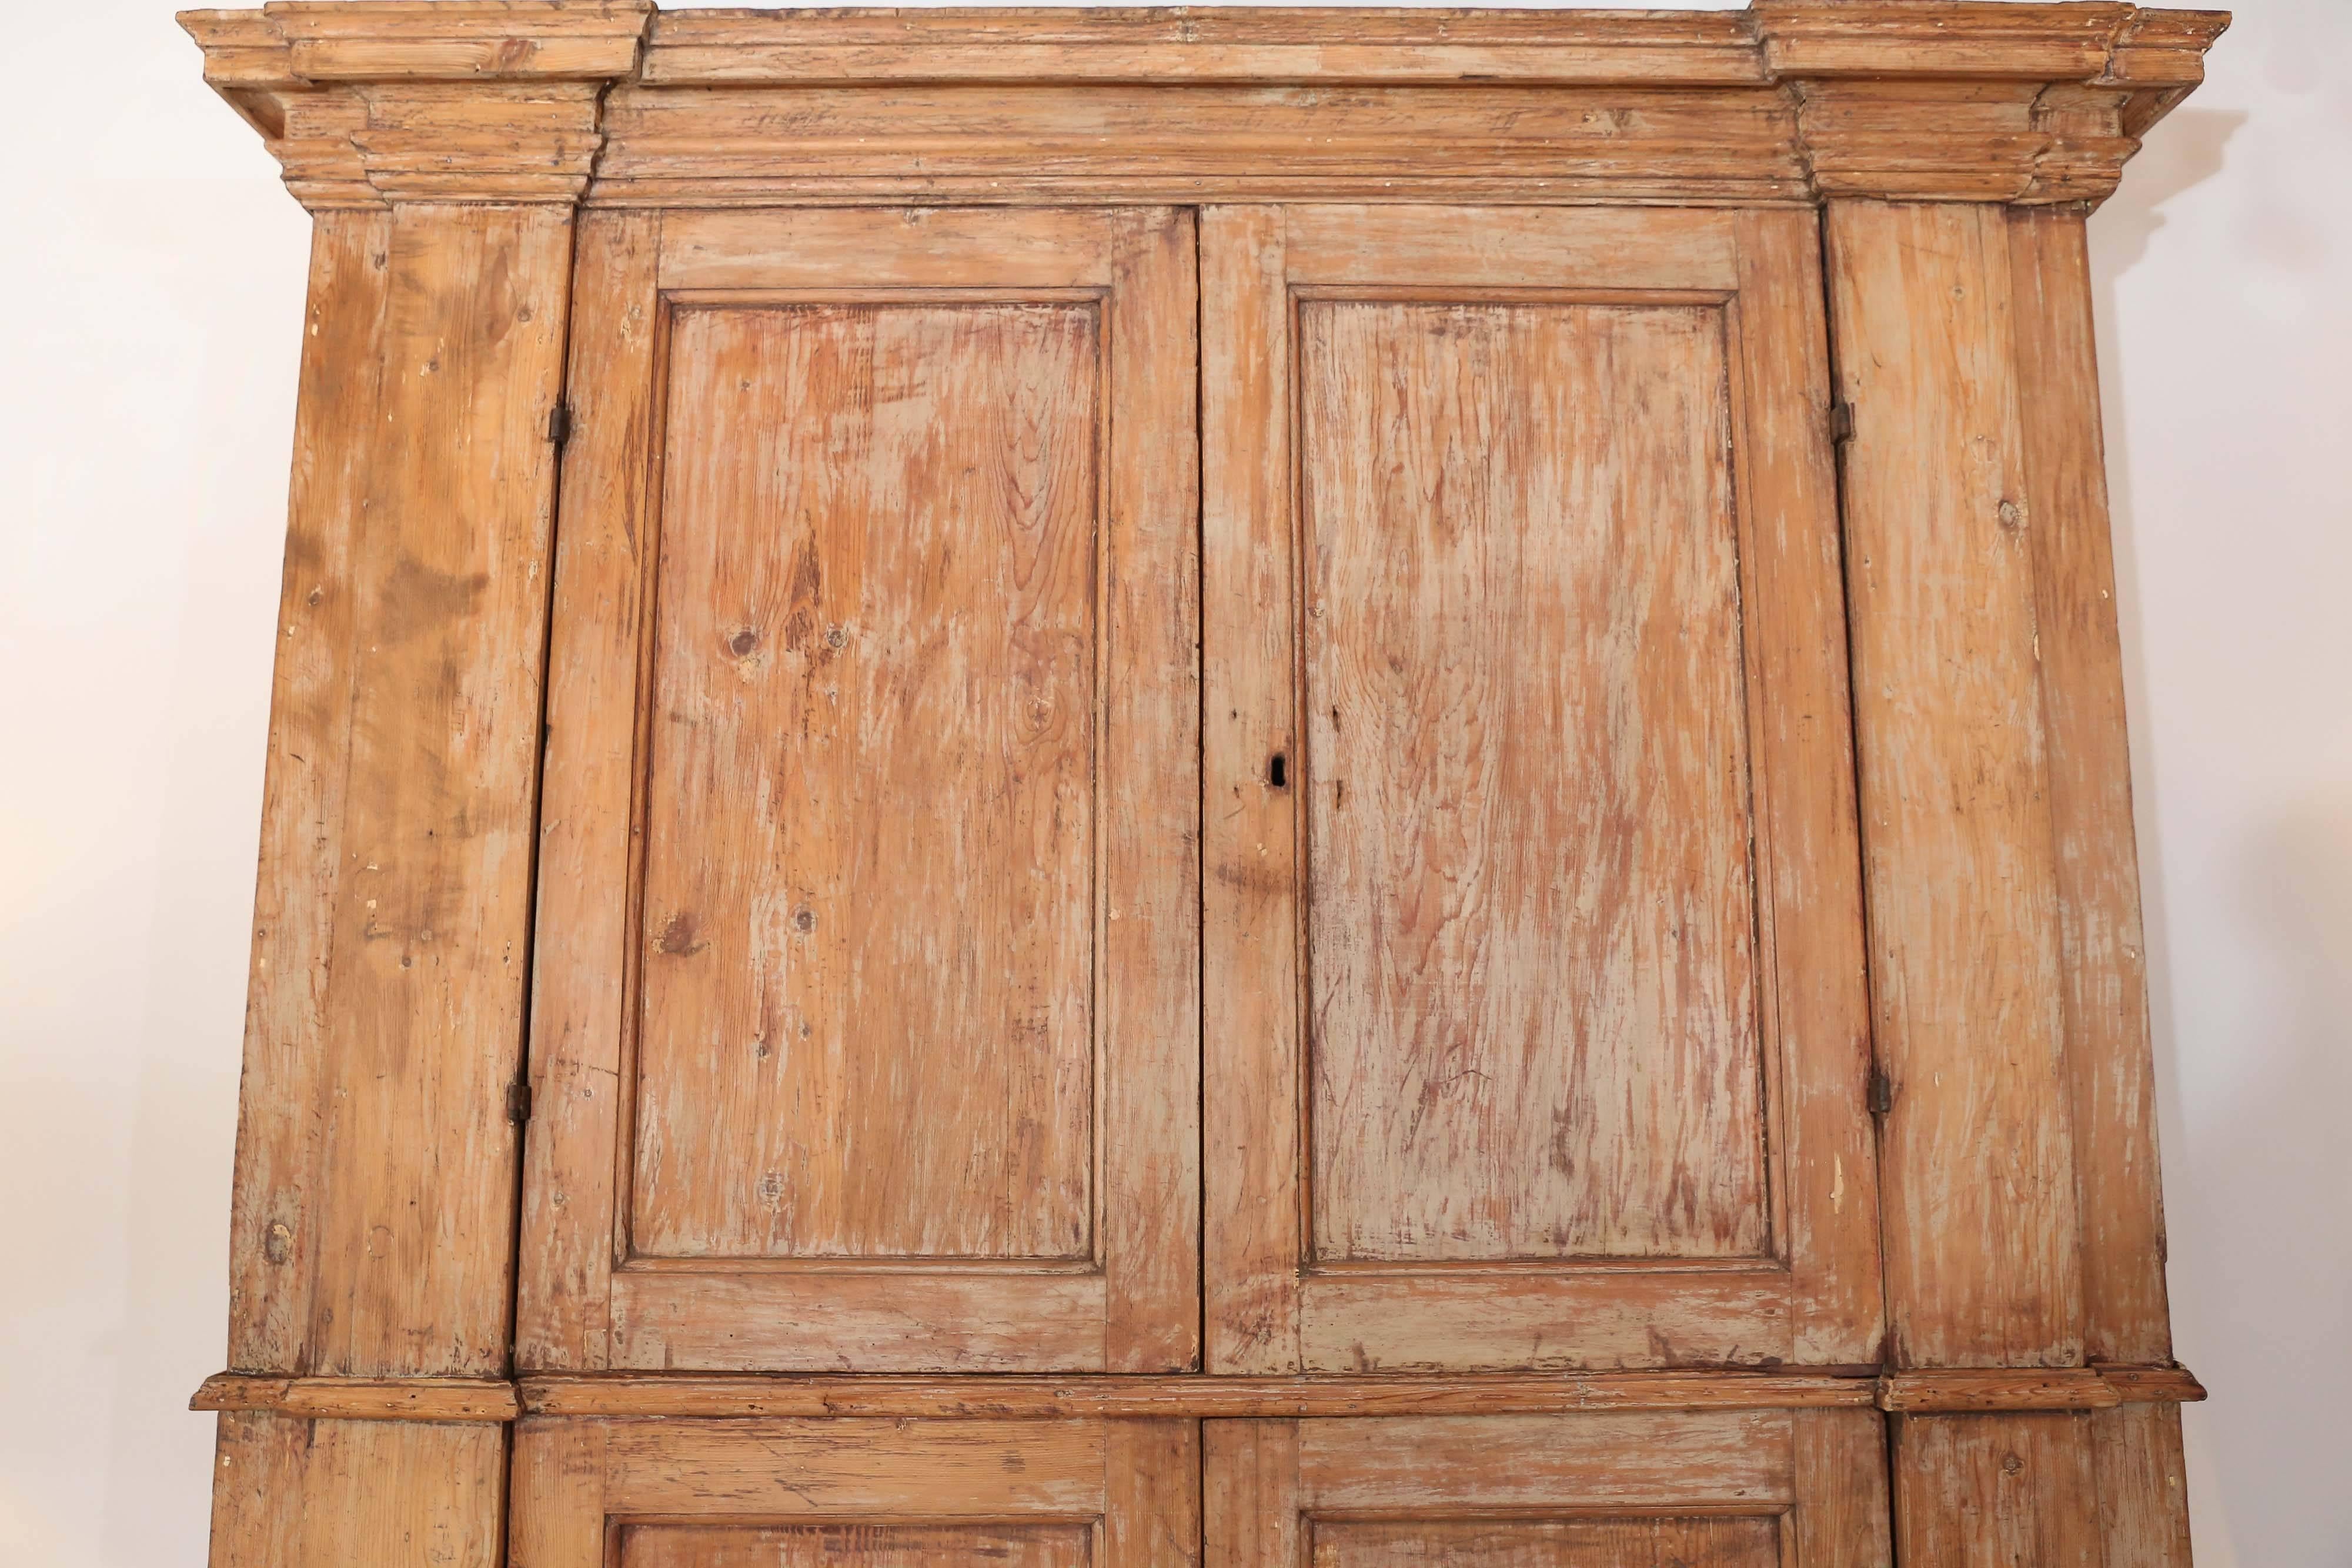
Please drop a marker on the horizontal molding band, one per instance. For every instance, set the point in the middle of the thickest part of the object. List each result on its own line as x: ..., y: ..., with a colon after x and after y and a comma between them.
x: 362, y: 1398
x: 1184, y: 1395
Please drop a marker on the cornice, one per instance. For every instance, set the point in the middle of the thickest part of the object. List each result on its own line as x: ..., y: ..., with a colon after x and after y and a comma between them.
x: 365, y: 103
x: 1791, y: 103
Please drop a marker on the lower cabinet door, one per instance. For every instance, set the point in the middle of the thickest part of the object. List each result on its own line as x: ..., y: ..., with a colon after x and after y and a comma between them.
x: 853, y: 1493
x: 1748, y: 1489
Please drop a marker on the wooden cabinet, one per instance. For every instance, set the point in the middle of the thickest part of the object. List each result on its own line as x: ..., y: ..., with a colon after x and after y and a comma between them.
x: 1240, y: 788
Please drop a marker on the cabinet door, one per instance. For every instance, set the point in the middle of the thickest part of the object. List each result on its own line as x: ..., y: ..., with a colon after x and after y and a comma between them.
x: 865, y: 1029
x: 1715, y: 1489
x: 1537, y: 1033
x: 592, y: 1493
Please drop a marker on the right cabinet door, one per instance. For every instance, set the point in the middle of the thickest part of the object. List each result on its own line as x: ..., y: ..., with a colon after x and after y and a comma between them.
x: 1536, y: 1024
x: 1706, y: 1489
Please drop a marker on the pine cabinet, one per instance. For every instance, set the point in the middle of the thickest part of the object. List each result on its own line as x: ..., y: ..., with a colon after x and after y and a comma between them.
x: 1161, y: 788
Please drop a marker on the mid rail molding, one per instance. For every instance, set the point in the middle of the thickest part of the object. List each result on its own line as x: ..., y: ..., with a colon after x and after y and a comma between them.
x: 367, y: 103
x: 1185, y: 1397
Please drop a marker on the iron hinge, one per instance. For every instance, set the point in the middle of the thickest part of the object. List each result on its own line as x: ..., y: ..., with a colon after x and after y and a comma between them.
x: 1841, y: 421
x: 1882, y: 1091
x: 518, y: 1100
x: 559, y: 425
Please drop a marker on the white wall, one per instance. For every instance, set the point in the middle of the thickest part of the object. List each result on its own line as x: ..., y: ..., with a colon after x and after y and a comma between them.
x: 152, y: 271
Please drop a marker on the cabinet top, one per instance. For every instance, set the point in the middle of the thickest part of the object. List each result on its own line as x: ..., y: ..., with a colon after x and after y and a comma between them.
x: 368, y: 103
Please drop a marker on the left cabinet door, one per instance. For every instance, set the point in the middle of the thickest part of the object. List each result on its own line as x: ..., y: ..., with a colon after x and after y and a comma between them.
x: 865, y: 1027
x: 855, y: 1493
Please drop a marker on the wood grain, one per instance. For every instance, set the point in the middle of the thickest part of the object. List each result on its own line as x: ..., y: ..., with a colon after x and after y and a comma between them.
x: 1531, y: 921
x: 1840, y: 1518
x: 293, y: 1493
x: 862, y: 1544
x: 1192, y: 1397
x: 1749, y: 1541
x: 852, y: 1468
x: 556, y: 1497
x: 1815, y: 1000
x: 885, y: 744
x: 2110, y: 1069
x: 1974, y: 1490
x: 275, y: 1219
x: 1983, y: 1260
x: 581, y: 969
x: 363, y: 1398
x: 1646, y: 1461
x: 2068, y: 1388
x: 413, y: 1251
x: 1786, y: 104
x: 2143, y: 1486
x: 1253, y: 1239
x: 1781, y: 1129
x: 870, y: 829
x: 900, y: 1494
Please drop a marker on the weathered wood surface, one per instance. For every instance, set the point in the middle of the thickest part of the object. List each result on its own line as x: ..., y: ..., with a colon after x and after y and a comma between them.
x: 1983, y: 1260
x: 887, y: 819
x: 870, y: 824
x: 364, y: 1398
x: 1803, y: 1490
x: 1220, y: 1398
x: 276, y: 1215
x: 2110, y: 1066
x: 1542, y: 1083
x: 1785, y: 104
x: 1977, y: 1492
x: 1531, y: 927
x: 862, y: 1544
x: 734, y: 1494
x: 295, y: 1493
x: 583, y: 959
x: 373, y: 1226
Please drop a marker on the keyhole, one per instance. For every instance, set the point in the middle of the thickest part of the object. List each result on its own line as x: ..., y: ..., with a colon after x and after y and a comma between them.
x: 1277, y: 772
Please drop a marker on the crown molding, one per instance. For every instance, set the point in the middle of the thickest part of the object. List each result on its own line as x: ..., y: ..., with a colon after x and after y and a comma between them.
x: 368, y: 103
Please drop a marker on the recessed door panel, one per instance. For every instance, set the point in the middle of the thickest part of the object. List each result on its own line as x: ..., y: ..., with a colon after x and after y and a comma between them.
x: 855, y: 1546
x: 866, y: 1023
x: 866, y: 1032
x: 1669, y: 1543
x: 1531, y: 920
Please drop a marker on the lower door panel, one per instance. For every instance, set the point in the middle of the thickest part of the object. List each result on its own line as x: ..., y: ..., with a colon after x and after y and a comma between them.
x: 1749, y: 1489
x: 1716, y: 1489
x: 653, y: 1493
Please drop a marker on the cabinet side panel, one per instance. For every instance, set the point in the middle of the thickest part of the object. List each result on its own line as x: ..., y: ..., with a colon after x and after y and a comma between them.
x: 290, y: 1493
x: 1982, y: 1260
x: 1993, y: 1491
x: 273, y: 1227
x: 2143, y: 1486
x: 425, y: 998
x: 2110, y: 1070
